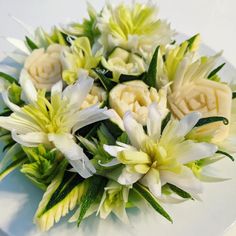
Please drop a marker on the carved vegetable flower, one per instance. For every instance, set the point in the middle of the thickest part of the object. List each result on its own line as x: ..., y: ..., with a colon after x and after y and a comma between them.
x: 135, y: 96
x: 44, y: 67
x: 193, y: 91
x: 123, y: 62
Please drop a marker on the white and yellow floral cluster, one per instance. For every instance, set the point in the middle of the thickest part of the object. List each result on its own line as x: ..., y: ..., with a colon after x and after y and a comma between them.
x: 127, y: 108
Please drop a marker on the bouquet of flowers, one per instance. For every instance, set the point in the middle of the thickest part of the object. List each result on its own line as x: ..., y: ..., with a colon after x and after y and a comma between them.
x: 107, y: 113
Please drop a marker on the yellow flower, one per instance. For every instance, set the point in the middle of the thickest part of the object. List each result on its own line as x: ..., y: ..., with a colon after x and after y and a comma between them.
x: 44, y: 66
x: 135, y: 96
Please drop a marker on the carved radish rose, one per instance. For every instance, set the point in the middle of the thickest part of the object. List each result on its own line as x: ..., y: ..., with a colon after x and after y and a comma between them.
x: 208, y: 97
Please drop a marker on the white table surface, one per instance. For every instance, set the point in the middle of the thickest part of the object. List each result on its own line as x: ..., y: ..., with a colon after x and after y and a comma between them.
x: 214, y: 19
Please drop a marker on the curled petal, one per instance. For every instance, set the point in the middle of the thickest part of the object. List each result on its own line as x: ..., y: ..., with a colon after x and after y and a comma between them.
x: 128, y: 178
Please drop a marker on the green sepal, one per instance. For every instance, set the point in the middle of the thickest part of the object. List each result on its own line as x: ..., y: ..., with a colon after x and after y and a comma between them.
x: 144, y: 192
x: 212, y: 119
x: 31, y: 44
x: 179, y: 191
x: 96, y: 185
x: 152, y: 70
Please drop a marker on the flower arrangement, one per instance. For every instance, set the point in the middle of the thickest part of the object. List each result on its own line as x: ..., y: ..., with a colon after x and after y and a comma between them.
x: 107, y: 113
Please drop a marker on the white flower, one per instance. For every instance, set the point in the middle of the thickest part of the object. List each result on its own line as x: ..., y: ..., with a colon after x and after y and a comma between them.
x: 135, y: 96
x: 44, y: 66
x: 54, y: 121
x: 155, y: 159
x: 123, y: 62
x: 136, y: 27
x: 114, y: 200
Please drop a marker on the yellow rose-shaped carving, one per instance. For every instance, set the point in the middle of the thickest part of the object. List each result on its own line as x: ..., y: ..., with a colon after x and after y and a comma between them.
x: 135, y: 96
x: 97, y: 95
x: 44, y: 66
x: 208, y: 97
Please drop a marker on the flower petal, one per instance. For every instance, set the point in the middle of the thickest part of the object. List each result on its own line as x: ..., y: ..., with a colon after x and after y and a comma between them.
x: 154, y: 121
x: 28, y: 87
x: 10, y: 104
x: 127, y: 178
x: 134, y: 130
x: 189, y: 151
x: 184, y: 180
x: 32, y: 139
x: 153, y: 182
x: 187, y: 123
x: 113, y: 150
x: 74, y: 153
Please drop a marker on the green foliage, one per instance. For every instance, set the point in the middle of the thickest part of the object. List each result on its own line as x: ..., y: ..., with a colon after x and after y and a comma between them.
x: 14, y: 93
x: 212, y: 119
x: 31, y: 44
x: 179, y: 191
x: 42, y: 165
x: 8, y: 78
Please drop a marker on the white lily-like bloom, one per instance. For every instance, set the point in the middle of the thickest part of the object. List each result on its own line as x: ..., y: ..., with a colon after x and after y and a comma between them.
x: 155, y: 159
x: 54, y: 122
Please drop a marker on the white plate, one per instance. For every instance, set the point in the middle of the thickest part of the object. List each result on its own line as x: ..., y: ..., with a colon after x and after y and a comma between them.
x: 211, y: 217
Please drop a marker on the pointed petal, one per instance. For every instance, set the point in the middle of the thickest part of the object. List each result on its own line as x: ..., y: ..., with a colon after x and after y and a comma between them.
x: 134, y: 130
x: 74, y: 153
x: 189, y: 151
x: 89, y: 116
x: 127, y: 178
x: 57, y: 88
x: 19, y: 44
x: 10, y: 104
x: 184, y: 180
x: 77, y: 92
x: 154, y: 121
x: 187, y: 123
x: 30, y: 139
x: 28, y: 87
x: 113, y: 162
x: 113, y: 150
x: 152, y: 181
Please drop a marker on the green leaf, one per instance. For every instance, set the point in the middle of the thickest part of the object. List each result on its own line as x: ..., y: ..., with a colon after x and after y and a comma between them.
x: 96, y: 185
x: 124, y: 138
x: 180, y: 192
x: 212, y: 119
x: 192, y: 41
x: 143, y: 191
x: 12, y: 166
x: 9, y: 78
x: 233, y: 95
x: 31, y: 44
x: 61, y: 196
x: 104, y: 136
x: 152, y: 70
x: 226, y: 154
x: 165, y: 122
x: 215, y: 71
x: 107, y: 83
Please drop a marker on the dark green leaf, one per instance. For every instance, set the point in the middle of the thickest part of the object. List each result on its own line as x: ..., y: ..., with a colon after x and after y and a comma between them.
x: 215, y: 71
x: 152, y: 70
x: 123, y: 138
x: 212, y: 119
x: 143, y: 191
x: 113, y: 128
x: 192, y: 40
x: 165, y: 122
x: 96, y: 185
x: 226, y: 154
x: 233, y: 95
x: 179, y: 191
x: 104, y: 136
x: 9, y: 78
x: 31, y: 44
x: 106, y: 82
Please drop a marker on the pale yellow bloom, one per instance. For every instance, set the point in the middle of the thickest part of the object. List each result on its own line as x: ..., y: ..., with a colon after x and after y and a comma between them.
x: 44, y: 66
x: 135, y: 96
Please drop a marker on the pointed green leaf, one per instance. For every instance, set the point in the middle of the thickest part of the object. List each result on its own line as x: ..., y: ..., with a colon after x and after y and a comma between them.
x: 215, y: 71
x: 31, y: 44
x: 143, y: 191
x: 96, y: 185
x: 165, y: 121
x: 180, y: 192
x: 152, y: 70
x: 233, y: 95
x: 9, y: 78
x: 226, y: 154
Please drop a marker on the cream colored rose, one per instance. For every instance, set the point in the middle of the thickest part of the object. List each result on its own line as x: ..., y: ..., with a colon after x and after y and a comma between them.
x: 208, y: 97
x: 44, y: 66
x: 135, y: 96
x: 97, y: 95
